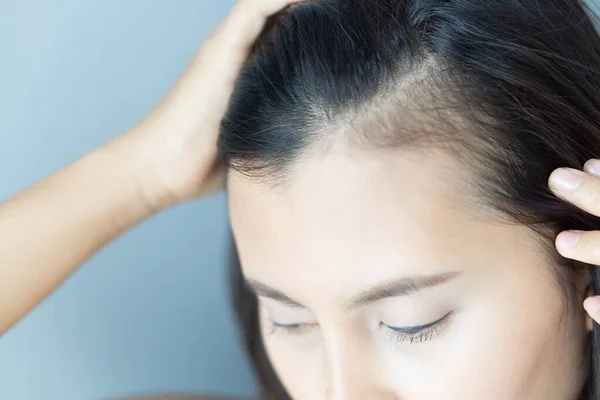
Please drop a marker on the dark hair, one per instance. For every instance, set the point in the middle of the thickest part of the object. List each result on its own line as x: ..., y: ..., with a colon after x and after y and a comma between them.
x: 511, y: 87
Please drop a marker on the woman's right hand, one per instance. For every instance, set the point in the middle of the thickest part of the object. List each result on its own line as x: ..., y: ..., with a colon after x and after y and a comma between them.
x: 52, y: 227
x: 177, y: 140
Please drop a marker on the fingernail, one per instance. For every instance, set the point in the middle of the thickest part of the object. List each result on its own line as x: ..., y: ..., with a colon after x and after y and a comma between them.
x: 592, y: 166
x: 566, y: 178
x: 568, y: 239
x: 592, y: 305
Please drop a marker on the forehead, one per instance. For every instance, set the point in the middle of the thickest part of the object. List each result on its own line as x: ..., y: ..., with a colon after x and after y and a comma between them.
x: 377, y: 214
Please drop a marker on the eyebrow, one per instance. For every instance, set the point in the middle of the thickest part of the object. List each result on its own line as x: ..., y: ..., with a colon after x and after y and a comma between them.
x: 396, y: 288
x: 262, y: 290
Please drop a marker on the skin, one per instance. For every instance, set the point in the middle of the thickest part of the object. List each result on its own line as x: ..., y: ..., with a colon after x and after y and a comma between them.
x: 349, y: 221
x: 167, y: 158
x: 504, y: 335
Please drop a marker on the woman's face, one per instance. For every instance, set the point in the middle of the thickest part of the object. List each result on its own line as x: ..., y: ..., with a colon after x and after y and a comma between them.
x: 378, y: 278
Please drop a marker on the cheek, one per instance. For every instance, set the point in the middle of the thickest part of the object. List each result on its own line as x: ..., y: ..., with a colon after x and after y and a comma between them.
x: 514, y: 342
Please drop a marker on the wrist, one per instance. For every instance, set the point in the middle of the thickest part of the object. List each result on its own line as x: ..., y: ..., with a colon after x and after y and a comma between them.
x: 130, y: 155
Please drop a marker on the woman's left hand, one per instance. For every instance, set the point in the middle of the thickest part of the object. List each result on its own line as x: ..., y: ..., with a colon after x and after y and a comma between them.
x: 582, y: 188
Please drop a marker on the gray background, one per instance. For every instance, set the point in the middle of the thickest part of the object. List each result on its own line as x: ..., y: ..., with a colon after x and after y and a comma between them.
x: 149, y: 313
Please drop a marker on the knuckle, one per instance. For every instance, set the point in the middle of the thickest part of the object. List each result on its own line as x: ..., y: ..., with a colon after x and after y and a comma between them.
x: 588, y: 247
x: 593, y: 244
x: 590, y: 195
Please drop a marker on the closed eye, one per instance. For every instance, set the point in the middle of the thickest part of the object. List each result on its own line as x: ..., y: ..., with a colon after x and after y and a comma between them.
x: 419, y: 333
x: 411, y: 330
x: 275, y: 327
x: 287, y: 326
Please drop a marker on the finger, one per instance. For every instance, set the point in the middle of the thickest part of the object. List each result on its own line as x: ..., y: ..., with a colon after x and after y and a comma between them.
x: 592, y: 166
x: 577, y: 187
x: 592, y: 307
x: 209, y: 78
x: 244, y: 23
x: 579, y: 245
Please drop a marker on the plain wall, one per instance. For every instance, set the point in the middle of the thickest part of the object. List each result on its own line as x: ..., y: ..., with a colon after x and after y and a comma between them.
x: 150, y: 312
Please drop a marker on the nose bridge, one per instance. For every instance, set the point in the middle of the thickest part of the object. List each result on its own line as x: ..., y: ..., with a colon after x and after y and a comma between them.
x: 352, y: 374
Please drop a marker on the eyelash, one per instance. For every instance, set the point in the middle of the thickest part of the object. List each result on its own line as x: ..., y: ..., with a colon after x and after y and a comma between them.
x: 417, y: 334
x: 296, y: 329
x: 409, y: 334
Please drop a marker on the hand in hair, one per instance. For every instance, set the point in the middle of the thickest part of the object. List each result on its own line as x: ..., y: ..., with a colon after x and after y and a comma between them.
x: 178, y: 138
x: 48, y: 230
x: 582, y: 188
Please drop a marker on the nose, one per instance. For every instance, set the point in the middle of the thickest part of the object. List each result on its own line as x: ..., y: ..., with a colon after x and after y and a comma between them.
x: 354, y: 373
x: 336, y: 394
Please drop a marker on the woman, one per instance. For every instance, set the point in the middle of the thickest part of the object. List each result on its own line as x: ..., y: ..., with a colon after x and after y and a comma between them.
x: 413, y: 189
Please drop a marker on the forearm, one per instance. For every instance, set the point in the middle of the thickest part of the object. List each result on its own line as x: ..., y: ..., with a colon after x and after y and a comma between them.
x: 52, y: 227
